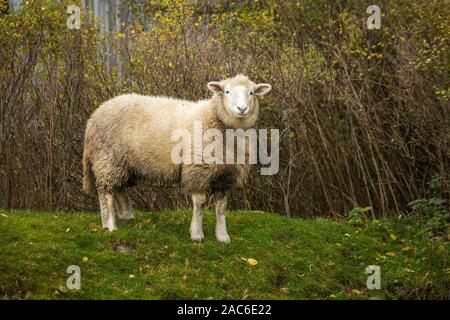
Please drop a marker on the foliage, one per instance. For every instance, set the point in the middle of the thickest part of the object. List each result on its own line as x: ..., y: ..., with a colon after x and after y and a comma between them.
x: 358, y: 216
x: 363, y: 114
x: 432, y: 212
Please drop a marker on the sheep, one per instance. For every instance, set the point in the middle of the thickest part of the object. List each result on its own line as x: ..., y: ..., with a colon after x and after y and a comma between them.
x: 128, y: 138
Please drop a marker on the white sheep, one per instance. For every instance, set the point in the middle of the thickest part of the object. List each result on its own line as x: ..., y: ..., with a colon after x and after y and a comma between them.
x: 129, y: 137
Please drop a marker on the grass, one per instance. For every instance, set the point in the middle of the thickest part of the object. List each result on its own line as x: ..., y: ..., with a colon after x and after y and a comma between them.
x: 152, y: 257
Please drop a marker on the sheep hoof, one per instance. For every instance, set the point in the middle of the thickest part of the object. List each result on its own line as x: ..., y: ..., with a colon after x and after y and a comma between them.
x: 223, y: 237
x: 110, y: 229
x: 197, y: 235
x: 196, y: 232
x: 197, y: 238
x: 130, y: 217
x: 111, y: 226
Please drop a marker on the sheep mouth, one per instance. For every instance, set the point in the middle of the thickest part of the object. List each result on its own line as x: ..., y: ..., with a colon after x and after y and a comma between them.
x: 240, y: 115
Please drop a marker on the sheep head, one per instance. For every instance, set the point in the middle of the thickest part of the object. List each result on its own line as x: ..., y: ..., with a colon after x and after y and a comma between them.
x: 237, y: 102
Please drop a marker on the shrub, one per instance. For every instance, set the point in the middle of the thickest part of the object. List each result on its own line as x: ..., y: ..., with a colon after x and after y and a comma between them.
x: 363, y: 115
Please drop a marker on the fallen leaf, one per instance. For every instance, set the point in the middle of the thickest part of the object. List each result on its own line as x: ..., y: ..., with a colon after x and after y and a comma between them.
x: 131, y: 276
x: 284, y: 290
x: 252, y: 262
x: 393, y: 236
x: 347, y: 235
x: 356, y: 291
x: 68, y: 229
x: 390, y: 254
x: 4, y: 215
x: 409, y: 248
x: 338, y: 245
x: 441, y: 248
x: 85, y: 259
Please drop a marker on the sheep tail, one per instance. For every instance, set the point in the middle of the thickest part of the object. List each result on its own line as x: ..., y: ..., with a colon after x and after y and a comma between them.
x: 88, y: 174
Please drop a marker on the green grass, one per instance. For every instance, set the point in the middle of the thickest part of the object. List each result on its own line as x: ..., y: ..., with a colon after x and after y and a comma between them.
x: 297, y: 259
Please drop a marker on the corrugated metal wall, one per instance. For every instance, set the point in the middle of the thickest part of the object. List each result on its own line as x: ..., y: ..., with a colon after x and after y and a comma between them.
x: 108, y: 13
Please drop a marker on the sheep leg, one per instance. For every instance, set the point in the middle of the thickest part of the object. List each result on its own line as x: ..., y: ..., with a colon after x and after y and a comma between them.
x: 110, y: 219
x: 221, y: 226
x: 103, y: 209
x: 196, y: 229
x: 123, y: 205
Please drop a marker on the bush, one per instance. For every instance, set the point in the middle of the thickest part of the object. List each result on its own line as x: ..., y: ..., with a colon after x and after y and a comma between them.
x: 363, y: 114
x: 432, y: 213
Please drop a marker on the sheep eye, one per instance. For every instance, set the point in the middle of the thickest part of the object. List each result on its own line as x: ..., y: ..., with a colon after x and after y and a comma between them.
x: 251, y: 93
x: 227, y: 92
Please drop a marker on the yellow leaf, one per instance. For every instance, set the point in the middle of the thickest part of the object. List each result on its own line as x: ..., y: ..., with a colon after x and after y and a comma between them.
x: 409, y: 248
x: 85, y: 259
x: 131, y: 276
x: 393, y: 236
x: 390, y: 254
x: 441, y: 248
x: 338, y: 245
x: 252, y: 262
x: 120, y: 35
x: 347, y: 235
x: 356, y: 291
x: 4, y: 215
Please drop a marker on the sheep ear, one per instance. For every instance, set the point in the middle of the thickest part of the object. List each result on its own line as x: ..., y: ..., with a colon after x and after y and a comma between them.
x: 262, y: 88
x: 215, y: 87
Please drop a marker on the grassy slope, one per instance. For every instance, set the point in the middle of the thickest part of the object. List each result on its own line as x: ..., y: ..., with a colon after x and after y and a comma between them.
x: 297, y: 259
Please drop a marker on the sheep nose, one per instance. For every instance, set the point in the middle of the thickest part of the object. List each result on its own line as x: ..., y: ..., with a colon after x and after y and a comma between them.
x: 242, y: 109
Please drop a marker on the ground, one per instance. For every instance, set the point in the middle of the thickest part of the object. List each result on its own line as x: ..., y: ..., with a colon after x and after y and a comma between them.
x: 270, y: 257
